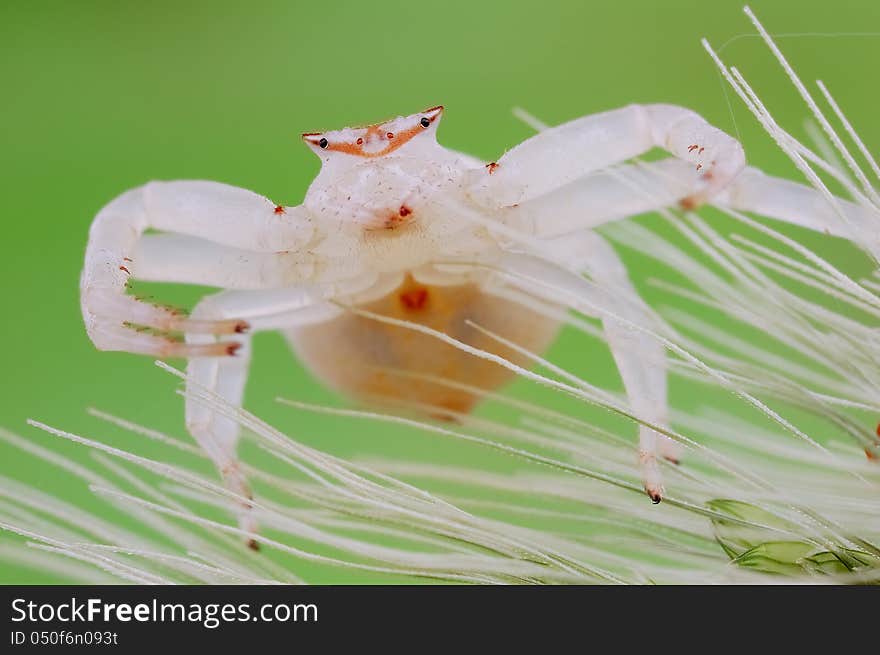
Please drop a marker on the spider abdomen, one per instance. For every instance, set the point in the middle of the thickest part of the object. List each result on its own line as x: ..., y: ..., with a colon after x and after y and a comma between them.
x: 381, y: 363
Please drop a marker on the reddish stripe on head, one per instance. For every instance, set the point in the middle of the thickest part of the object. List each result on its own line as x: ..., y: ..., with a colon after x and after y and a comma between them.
x: 394, y: 139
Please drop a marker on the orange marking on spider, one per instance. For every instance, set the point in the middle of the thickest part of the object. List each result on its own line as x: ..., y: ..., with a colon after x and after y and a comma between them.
x: 374, y: 133
x: 402, y: 217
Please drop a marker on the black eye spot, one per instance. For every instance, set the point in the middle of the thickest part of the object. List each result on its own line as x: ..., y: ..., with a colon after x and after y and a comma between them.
x: 323, y: 143
x: 425, y: 122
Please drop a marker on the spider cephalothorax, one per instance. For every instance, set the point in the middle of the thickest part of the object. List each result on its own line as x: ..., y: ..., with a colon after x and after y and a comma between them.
x: 377, y: 176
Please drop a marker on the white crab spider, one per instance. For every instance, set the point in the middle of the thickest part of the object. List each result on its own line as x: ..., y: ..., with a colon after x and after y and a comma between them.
x: 388, y: 213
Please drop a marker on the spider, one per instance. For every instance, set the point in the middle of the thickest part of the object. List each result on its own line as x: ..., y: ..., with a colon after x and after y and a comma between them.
x: 405, y: 228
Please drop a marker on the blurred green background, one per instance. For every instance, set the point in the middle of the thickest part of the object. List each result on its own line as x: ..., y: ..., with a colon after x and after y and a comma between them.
x: 102, y: 96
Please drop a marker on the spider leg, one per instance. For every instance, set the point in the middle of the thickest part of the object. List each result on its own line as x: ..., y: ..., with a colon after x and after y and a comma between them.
x: 208, y: 210
x: 559, y: 155
x: 218, y: 434
x: 640, y: 358
x: 190, y: 260
x: 799, y: 204
x: 601, y: 197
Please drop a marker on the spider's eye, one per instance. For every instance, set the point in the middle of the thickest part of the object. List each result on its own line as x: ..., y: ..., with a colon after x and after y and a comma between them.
x: 323, y: 142
x: 425, y: 122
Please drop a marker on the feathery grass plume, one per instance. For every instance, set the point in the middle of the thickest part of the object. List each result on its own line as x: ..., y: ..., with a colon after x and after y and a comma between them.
x: 774, y: 486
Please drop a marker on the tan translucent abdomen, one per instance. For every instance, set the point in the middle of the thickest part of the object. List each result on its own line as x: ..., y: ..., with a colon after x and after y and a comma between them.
x: 358, y: 355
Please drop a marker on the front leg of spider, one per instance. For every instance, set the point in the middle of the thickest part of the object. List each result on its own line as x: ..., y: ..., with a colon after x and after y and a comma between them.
x: 558, y: 156
x: 207, y: 211
x: 213, y: 234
